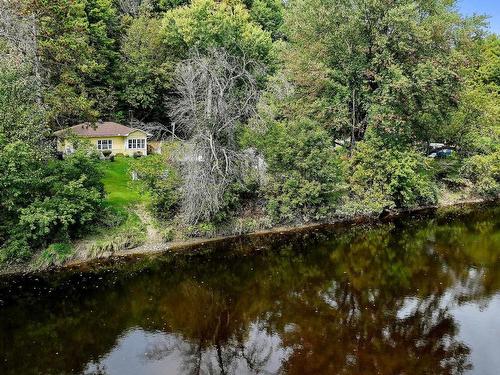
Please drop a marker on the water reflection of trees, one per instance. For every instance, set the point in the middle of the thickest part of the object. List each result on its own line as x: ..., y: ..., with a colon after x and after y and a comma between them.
x: 366, y: 302
x: 355, y: 324
x: 346, y: 317
x: 213, y: 335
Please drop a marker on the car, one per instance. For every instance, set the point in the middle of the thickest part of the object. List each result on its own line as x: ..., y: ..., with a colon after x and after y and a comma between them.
x: 444, y: 153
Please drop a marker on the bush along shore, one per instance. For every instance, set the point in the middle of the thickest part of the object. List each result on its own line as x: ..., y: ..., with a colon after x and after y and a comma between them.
x: 256, y: 115
x: 230, y: 237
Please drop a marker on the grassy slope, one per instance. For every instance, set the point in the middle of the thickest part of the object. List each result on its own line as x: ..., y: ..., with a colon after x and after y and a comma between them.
x: 124, y: 196
x: 120, y: 193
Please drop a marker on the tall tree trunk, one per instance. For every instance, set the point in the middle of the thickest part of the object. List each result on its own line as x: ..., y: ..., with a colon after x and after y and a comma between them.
x: 353, y: 125
x: 36, y: 61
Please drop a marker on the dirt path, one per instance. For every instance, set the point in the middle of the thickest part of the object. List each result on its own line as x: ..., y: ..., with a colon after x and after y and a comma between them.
x: 153, y: 235
x: 154, y: 241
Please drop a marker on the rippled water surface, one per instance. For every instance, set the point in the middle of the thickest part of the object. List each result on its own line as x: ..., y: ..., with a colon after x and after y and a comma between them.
x: 416, y: 296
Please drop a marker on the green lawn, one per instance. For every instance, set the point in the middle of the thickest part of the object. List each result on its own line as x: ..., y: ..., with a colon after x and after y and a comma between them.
x: 121, y: 191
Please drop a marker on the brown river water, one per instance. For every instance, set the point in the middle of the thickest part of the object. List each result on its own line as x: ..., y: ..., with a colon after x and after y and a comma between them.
x: 419, y: 295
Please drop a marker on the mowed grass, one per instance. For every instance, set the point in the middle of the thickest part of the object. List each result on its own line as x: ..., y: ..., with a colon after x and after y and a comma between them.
x: 121, y: 191
x: 126, y: 229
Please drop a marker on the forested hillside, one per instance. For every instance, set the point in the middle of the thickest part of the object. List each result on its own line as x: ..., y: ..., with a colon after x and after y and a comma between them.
x: 270, y: 112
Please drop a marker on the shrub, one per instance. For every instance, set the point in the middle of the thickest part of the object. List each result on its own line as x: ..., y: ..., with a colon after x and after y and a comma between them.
x: 45, y: 200
x: 383, y: 176
x: 162, y: 181
x: 130, y: 234
x: 70, y: 207
x: 447, y: 170
x: 203, y: 229
x: 305, y: 172
x: 251, y: 224
x: 81, y: 163
x: 54, y: 255
x: 483, y: 171
x: 111, y: 216
x: 167, y: 233
x: 16, y: 249
x: 237, y: 194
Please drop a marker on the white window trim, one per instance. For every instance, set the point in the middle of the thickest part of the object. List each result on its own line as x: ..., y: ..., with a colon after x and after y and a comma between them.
x: 104, y: 144
x: 136, y: 143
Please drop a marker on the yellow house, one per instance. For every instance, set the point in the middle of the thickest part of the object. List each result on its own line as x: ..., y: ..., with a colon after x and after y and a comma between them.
x: 120, y: 139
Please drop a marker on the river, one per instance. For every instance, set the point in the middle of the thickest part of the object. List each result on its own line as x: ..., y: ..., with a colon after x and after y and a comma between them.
x: 419, y: 295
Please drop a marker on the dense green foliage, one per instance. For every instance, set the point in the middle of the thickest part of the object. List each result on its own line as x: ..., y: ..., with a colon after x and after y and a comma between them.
x: 385, y: 81
x: 475, y: 125
x: 386, y: 66
x: 305, y: 172
x: 43, y: 199
x: 389, y: 177
x: 483, y: 171
x: 268, y: 14
x: 78, y: 56
x: 161, y: 180
x: 207, y: 23
x: 146, y: 70
x: 329, y: 107
x: 153, y: 46
x: 21, y: 119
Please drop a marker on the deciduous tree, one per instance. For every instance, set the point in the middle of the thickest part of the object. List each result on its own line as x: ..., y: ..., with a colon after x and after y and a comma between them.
x: 391, y: 66
x: 216, y: 93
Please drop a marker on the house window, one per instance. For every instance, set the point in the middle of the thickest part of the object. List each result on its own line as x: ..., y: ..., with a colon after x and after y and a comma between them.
x: 136, y: 143
x: 104, y: 144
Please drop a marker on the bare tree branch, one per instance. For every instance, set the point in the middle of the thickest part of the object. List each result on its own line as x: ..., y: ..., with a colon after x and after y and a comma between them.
x: 216, y: 93
x: 130, y: 7
x: 19, y: 30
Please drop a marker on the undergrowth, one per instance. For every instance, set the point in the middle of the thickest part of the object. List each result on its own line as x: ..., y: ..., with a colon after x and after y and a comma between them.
x: 131, y: 233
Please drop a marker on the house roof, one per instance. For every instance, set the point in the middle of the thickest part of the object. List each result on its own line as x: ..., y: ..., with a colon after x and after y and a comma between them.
x: 99, y: 129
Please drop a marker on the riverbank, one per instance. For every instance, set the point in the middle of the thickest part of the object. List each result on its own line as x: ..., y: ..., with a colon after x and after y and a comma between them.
x: 153, y: 247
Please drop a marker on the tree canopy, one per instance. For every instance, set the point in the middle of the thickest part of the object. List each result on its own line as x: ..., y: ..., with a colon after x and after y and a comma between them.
x: 280, y: 111
x: 392, y: 67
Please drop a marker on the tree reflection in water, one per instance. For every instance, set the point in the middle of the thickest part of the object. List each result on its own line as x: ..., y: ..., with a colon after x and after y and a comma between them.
x: 211, y: 341
x: 368, y: 301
